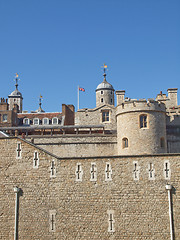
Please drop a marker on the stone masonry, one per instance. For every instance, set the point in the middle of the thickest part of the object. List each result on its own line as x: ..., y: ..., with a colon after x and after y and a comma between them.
x: 81, y: 209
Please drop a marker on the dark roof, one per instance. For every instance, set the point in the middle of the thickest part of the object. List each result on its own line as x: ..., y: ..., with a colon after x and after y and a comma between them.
x: 40, y: 115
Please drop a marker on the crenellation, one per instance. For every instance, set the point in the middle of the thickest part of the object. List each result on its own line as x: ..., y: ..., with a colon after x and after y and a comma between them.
x: 140, y: 105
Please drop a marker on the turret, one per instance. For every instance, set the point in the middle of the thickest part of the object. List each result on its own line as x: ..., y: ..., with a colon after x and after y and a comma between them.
x: 104, y: 92
x: 15, y: 97
x: 141, y: 127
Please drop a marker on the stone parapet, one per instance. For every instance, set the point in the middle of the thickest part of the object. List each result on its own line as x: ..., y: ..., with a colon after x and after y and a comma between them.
x: 140, y: 105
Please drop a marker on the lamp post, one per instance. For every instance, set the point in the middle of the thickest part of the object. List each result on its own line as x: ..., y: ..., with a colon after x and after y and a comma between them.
x: 16, y: 190
x: 169, y: 188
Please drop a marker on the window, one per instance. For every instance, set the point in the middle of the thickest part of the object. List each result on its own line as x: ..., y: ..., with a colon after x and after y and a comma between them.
x: 102, y: 100
x: 55, y: 120
x: 52, y: 220
x: 101, y: 92
x: 18, y: 150
x: 93, y: 172
x: 124, y: 143
x: 162, y: 142
x: 52, y: 169
x: 135, y: 170
x: 79, y: 172
x: 111, y: 100
x: 105, y: 116
x: 45, y: 121
x: 4, y: 117
x: 35, y: 160
x: 26, y: 121
x: 111, y: 221
x: 167, y: 170
x: 36, y: 121
x: 151, y: 171
x: 108, y: 172
x: 143, y: 121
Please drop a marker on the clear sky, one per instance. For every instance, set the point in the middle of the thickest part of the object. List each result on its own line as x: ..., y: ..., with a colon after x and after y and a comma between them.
x: 56, y: 45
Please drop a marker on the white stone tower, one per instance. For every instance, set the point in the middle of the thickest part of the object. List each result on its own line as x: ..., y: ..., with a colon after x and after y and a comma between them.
x: 104, y: 92
x: 15, y: 97
x: 141, y: 127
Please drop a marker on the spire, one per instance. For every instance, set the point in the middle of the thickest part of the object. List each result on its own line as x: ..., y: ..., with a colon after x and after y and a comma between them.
x: 40, y: 103
x: 16, y: 79
x: 104, y: 69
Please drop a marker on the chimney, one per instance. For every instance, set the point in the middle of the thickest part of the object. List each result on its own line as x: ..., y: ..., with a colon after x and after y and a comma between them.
x: 120, y: 96
x: 172, y: 95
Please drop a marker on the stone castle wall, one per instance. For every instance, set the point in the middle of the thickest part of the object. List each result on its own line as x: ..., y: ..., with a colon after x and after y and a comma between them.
x: 79, y: 146
x: 94, y: 117
x: 81, y: 207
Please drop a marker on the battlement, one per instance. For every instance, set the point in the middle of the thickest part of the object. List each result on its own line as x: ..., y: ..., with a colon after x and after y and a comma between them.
x: 134, y: 105
x: 3, y: 104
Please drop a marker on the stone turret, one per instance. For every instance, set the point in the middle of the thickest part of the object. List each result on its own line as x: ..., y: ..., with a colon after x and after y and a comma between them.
x: 104, y: 93
x: 141, y: 127
x: 15, y: 97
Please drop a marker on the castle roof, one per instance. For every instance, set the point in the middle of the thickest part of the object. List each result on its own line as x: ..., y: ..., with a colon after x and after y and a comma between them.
x: 104, y: 85
x: 15, y: 93
x: 40, y: 115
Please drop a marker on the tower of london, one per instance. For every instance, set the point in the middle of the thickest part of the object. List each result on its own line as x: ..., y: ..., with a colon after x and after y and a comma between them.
x: 110, y: 172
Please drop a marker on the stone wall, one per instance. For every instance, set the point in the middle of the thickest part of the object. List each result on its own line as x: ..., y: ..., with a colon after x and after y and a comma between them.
x: 78, y: 146
x: 94, y: 117
x: 81, y: 208
x: 107, y: 95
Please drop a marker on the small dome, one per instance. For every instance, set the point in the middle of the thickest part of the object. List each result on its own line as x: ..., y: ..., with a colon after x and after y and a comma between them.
x: 105, y: 85
x: 15, y: 93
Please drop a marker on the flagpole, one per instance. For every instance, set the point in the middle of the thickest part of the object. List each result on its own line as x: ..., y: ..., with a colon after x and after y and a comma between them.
x: 78, y: 97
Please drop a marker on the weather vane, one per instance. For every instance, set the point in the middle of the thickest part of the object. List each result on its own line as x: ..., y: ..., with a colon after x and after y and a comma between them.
x: 16, y: 79
x: 104, y: 67
x: 40, y: 98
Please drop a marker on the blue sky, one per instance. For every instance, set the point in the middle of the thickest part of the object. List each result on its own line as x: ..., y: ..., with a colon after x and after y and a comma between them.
x: 56, y: 45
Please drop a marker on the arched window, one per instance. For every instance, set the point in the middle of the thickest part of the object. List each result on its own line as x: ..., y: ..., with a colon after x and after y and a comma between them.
x: 55, y: 120
x: 45, y: 121
x: 124, y: 143
x: 143, y: 121
x: 4, y: 117
x: 162, y: 142
x: 36, y: 121
x: 26, y: 121
x: 102, y: 100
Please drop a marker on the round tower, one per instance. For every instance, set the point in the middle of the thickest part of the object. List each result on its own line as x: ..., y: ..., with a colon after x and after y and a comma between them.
x: 15, y: 97
x: 104, y: 93
x: 141, y: 127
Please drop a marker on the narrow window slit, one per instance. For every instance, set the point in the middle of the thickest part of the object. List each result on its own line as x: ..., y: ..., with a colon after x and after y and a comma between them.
x: 108, y: 172
x: 93, y: 172
x: 18, y: 150
x: 79, y: 172
x: 36, y: 160
x: 136, y: 171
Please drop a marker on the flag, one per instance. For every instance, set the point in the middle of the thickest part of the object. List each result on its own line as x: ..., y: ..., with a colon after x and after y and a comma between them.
x: 81, y: 89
